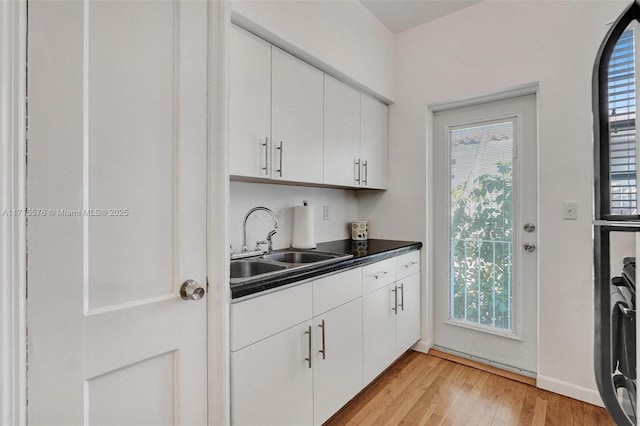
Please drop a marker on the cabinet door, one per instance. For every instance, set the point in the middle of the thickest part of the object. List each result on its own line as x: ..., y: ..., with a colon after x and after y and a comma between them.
x: 373, y: 143
x: 250, y: 104
x: 379, y: 331
x: 297, y: 122
x: 271, y: 383
x: 341, y: 133
x: 408, y: 319
x: 337, y: 376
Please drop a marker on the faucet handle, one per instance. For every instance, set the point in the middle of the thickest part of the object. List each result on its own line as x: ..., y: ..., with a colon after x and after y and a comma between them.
x: 260, y: 242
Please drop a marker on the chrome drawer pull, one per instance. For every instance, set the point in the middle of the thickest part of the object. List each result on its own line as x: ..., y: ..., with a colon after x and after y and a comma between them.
x: 380, y: 274
x: 266, y: 156
x: 309, y: 358
x: 281, y: 149
x: 395, y: 296
x: 366, y: 173
x: 323, y: 351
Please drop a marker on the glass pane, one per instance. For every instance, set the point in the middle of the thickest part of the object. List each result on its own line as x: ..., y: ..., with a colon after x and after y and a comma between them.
x: 622, y: 126
x: 482, y: 224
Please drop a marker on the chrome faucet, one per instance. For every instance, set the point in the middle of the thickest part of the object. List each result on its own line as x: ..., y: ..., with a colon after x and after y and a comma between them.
x: 269, y: 235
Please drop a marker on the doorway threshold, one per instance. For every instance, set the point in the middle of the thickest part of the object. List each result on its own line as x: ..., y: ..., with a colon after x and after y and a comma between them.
x: 498, y: 369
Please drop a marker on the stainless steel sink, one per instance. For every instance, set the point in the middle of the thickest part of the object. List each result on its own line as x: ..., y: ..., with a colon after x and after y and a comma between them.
x: 250, y: 268
x: 299, y: 257
x: 280, y: 262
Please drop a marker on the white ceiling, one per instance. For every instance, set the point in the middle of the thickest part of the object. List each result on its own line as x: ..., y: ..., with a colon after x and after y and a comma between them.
x: 400, y: 15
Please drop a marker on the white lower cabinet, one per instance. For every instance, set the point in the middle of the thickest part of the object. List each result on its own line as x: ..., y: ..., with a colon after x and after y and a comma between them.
x: 337, y: 369
x: 271, y: 382
x: 379, y: 331
x: 391, y: 315
x: 299, y: 354
x: 408, y: 318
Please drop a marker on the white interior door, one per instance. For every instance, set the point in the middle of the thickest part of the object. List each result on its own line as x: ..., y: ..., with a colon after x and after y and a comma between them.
x: 117, y: 177
x: 486, y: 214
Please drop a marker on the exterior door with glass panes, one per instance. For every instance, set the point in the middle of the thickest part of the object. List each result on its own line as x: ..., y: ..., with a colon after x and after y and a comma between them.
x: 485, y: 223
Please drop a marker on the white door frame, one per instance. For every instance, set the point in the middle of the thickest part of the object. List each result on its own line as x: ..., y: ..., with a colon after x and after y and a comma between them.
x: 13, y: 30
x: 219, y: 292
x: 525, y: 89
x: 13, y: 355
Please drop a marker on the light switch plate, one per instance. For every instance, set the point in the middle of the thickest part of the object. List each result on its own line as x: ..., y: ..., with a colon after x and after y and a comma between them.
x: 570, y: 210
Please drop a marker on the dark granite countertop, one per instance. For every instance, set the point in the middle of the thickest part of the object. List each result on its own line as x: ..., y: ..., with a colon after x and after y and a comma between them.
x: 363, y: 252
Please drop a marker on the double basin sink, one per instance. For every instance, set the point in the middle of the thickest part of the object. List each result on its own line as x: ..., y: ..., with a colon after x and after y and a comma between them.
x: 280, y: 262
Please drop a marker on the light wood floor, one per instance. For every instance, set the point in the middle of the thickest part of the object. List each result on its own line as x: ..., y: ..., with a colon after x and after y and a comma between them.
x: 421, y: 389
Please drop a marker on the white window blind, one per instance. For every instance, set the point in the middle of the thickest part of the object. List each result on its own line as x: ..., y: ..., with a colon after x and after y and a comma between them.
x: 622, y: 125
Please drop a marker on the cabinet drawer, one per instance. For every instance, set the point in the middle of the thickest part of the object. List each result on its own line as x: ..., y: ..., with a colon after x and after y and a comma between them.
x: 378, y: 275
x: 336, y: 290
x: 407, y: 264
x: 264, y: 316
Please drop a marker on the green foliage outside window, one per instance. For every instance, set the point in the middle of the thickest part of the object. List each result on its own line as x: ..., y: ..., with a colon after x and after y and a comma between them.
x: 481, y: 240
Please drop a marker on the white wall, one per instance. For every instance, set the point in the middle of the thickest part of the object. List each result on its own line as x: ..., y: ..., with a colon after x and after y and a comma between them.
x: 487, y: 48
x: 341, y: 37
x: 343, y: 208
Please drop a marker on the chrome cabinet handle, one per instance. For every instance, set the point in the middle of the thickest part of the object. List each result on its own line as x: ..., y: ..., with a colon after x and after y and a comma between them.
x: 191, y: 290
x: 366, y: 172
x: 380, y: 274
x: 395, y: 294
x: 407, y: 265
x: 323, y: 351
x: 266, y: 156
x: 308, y: 359
x: 281, y: 149
x: 357, y: 164
x: 402, y: 296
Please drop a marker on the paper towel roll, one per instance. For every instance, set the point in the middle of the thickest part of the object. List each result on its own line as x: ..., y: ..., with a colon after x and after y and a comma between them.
x: 303, y: 229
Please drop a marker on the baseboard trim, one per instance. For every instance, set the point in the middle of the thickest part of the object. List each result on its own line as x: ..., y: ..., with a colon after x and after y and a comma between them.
x: 422, y: 346
x: 484, y: 367
x: 568, y: 389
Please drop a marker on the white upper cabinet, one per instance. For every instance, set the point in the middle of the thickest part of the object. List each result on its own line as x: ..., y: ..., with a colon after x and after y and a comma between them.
x: 355, y: 137
x: 341, y: 133
x: 250, y: 104
x: 289, y: 121
x: 297, y: 119
x: 373, y: 146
